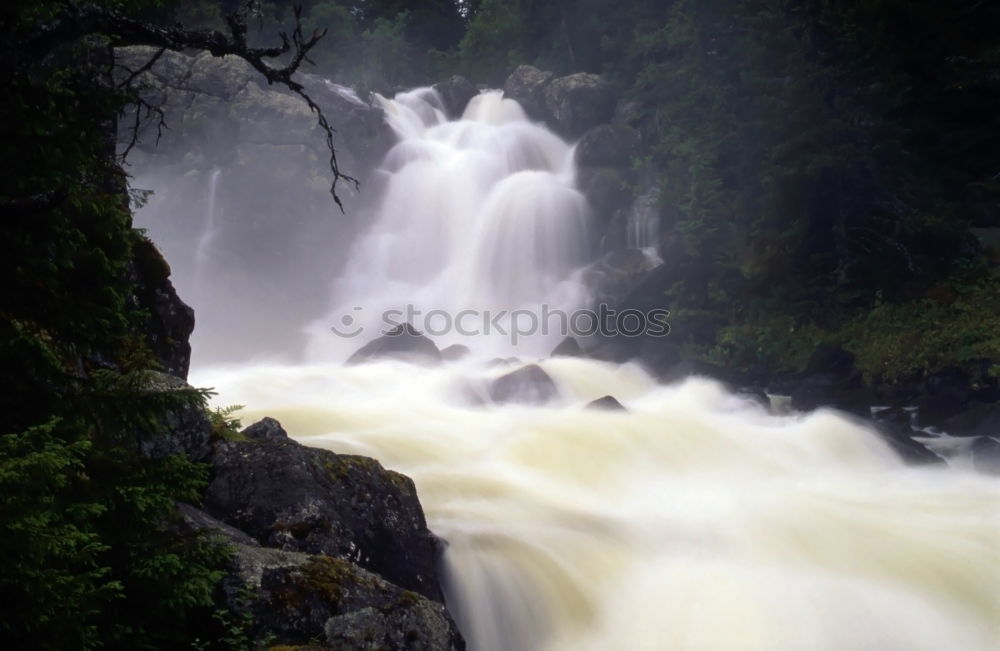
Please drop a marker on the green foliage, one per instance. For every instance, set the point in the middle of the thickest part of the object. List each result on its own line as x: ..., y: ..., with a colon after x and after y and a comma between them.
x: 224, y: 425
x: 90, y: 553
x: 957, y: 328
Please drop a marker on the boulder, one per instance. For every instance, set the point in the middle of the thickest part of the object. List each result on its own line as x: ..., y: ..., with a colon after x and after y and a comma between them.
x: 618, y: 273
x: 608, y: 403
x: 568, y: 347
x: 985, y: 453
x: 454, y: 351
x: 980, y: 419
x: 607, y: 145
x: 305, y: 599
x: 579, y: 102
x: 529, y: 384
x: 455, y: 94
x: 266, y: 429
x: 303, y: 499
x: 403, y: 342
x: 527, y: 85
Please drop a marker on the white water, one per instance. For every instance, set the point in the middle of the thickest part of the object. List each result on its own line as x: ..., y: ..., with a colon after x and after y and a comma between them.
x: 478, y: 214
x: 209, y: 231
x: 695, y: 520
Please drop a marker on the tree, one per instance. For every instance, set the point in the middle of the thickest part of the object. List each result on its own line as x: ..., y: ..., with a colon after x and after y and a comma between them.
x: 87, y: 554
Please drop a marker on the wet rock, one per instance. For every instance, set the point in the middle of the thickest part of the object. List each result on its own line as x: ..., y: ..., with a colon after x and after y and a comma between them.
x: 609, y: 403
x: 568, y: 347
x: 985, y: 452
x: 579, y: 102
x: 895, y: 424
x: 980, y: 419
x: 455, y: 94
x: 529, y: 385
x: 454, y: 352
x: 309, y: 599
x: 527, y: 85
x: 403, y: 342
x: 606, y: 189
x: 304, y: 499
x: 266, y: 429
x: 607, y: 145
x: 618, y: 273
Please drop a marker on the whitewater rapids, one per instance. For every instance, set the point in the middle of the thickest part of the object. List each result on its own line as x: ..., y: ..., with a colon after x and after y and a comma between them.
x: 695, y: 520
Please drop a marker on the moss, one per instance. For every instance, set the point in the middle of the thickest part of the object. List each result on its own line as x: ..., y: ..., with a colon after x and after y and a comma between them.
x: 331, y: 578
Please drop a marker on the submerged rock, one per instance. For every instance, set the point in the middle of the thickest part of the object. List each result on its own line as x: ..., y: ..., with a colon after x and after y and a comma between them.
x: 403, y: 342
x: 529, y: 385
x: 310, y: 500
x: 456, y: 93
x: 568, y: 347
x: 985, y: 453
x: 609, y: 403
x: 454, y: 351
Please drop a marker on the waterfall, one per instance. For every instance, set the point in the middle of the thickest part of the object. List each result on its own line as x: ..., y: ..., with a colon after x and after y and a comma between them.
x: 642, y: 229
x: 477, y: 214
x: 204, y: 249
x: 694, y: 519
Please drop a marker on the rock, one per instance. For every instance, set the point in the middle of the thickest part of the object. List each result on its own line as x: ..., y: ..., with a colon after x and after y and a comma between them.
x: 568, y: 347
x: 528, y: 384
x: 171, y: 321
x: 527, y: 85
x: 266, y: 429
x: 305, y: 499
x: 606, y: 190
x: 985, y: 453
x: 618, y: 273
x: 184, y: 430
x: 454, y: 352
x: 609, y: 403
x: 403, y: 342
x: 196, y: 520
x: 304, y: 600
x: 579, y: 102
x: 980, y: 419
x: 896, y: 427
x: 298, y: 598
x: 607, y: 145
x: 455, y: 94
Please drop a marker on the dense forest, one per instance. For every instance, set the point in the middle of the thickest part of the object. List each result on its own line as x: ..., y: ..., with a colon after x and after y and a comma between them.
x: 828, y: 179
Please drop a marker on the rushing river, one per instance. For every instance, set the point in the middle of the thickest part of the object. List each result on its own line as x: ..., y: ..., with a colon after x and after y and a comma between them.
x: 695, y: 519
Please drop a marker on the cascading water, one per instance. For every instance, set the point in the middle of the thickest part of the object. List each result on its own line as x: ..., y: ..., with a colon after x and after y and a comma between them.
x: 695, y: 519
x: 208, y: 234
x: 477, y: 214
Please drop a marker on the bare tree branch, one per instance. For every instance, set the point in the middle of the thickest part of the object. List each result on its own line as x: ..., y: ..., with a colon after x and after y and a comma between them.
x: 76, y: 21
